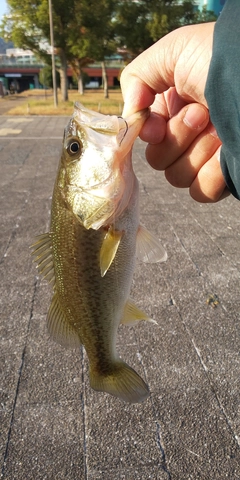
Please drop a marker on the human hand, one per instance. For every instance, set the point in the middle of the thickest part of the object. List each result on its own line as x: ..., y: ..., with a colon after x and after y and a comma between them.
x: 170, y: 77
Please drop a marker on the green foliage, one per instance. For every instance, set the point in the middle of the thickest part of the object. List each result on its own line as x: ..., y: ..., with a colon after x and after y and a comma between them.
x: 131, y: 25
x: 45, y: 77
x: 152, y: 19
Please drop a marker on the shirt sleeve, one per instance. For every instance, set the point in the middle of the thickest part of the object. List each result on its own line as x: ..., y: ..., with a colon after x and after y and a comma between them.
x: 223, y: 91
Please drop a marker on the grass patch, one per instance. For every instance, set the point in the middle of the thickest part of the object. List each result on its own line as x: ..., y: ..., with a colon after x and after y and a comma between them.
x: 39, y: 102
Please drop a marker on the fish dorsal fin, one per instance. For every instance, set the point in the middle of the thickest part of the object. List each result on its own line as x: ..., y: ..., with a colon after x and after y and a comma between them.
x: 42, y: 253
x: 109, y: 248
x: 59, y: 327
x: 133, y: 314
x: 149, y: 250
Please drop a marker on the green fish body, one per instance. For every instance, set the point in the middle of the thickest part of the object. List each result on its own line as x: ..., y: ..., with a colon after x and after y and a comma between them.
x: 95, y: 236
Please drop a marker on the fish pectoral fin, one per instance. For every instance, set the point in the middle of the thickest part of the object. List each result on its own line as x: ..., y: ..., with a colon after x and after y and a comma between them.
x: 122, y: 382
x: 149, y: 249
x: 132, y: 314
x: 42, y: 253
x: 109, y: 248
x: 59, y: 327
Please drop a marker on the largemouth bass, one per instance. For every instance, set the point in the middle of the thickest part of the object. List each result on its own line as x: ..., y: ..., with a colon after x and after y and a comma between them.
x: 95, y: 236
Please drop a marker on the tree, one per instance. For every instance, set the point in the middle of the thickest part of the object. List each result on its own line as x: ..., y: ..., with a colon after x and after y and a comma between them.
x: 169, y: 15
x: 81, y: 41
x: 94, y: 37
x: 152, y: 19
x: 27, y: 25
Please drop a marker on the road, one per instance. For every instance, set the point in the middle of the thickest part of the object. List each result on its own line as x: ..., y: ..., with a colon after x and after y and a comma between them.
x: 53, y: 426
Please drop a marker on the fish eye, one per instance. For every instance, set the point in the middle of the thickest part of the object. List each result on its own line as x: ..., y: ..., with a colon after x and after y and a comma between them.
x: 74, y: 147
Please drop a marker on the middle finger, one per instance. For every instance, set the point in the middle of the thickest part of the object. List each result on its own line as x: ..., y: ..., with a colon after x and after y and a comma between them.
x: 181, y: 131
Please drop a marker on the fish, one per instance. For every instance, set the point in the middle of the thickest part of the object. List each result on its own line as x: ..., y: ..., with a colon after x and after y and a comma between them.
x: 90, y: 252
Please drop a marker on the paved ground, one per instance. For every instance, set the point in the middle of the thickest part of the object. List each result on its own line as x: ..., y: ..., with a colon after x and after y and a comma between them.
x: 53, y: 426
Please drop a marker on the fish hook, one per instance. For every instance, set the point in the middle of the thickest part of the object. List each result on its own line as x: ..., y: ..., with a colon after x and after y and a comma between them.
x: 125, y: 133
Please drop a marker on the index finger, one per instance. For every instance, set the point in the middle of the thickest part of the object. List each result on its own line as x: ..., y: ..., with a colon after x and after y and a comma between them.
x: 141, y: 81
x: 150, y: 73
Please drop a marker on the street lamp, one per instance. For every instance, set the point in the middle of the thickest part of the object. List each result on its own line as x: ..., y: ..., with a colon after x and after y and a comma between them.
x: 53, y: 56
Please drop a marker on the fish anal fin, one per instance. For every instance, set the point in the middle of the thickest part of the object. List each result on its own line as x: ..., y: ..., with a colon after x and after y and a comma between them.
x: 132, y: 314
x: 121, y: 382
x: 149, y: 249
x: 59, y: 327
x: 109, y: 248
x: 42, y: 253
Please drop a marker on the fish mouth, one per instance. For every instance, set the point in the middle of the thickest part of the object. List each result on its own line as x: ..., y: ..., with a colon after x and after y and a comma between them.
x: 125, y: 130
x: 105, y: 124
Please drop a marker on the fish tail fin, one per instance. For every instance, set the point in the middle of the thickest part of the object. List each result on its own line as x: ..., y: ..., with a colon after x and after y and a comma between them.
x: 122, y: 382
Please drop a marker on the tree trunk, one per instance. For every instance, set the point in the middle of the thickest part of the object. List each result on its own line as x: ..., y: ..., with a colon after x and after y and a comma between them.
x: 80, y: 83
x: 104, y: 80
x: 63, y: 76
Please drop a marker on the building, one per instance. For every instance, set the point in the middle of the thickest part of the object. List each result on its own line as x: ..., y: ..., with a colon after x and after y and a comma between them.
x: 19, y: 71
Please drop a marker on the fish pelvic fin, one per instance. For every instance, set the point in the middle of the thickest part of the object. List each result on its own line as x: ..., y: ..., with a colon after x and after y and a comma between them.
x: 122, y: 382
x: 132, y: 314
x: 109, y: 248
x: 59, y: 326
x: 149, y: 249
x: 42, y: 253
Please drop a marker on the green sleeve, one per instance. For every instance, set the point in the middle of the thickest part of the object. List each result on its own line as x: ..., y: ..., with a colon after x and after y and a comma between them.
x: 223, y: 91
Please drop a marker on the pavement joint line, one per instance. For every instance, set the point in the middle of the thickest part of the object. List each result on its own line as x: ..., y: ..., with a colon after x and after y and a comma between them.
x: 217, y: 247
x: 164, y: 466
x: 220, y: 250
x: 201, y: 274
x: 228, y: 421
x: 19, y: 379
x: 205, y: 369
x: 160, y: 446
x: 16, y: 225
x: 187, y: 252
x: 11, y: 238
x: 83, y: 395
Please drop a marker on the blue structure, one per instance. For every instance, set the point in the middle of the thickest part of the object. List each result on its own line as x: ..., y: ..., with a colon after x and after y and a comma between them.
x: 215, y: 6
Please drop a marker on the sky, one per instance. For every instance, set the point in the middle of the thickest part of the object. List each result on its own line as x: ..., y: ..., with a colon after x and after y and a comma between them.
x: 3, y: 8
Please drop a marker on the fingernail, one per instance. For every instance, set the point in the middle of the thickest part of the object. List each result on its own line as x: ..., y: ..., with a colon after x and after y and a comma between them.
x: 195, y: 116
x: 128, y: 109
